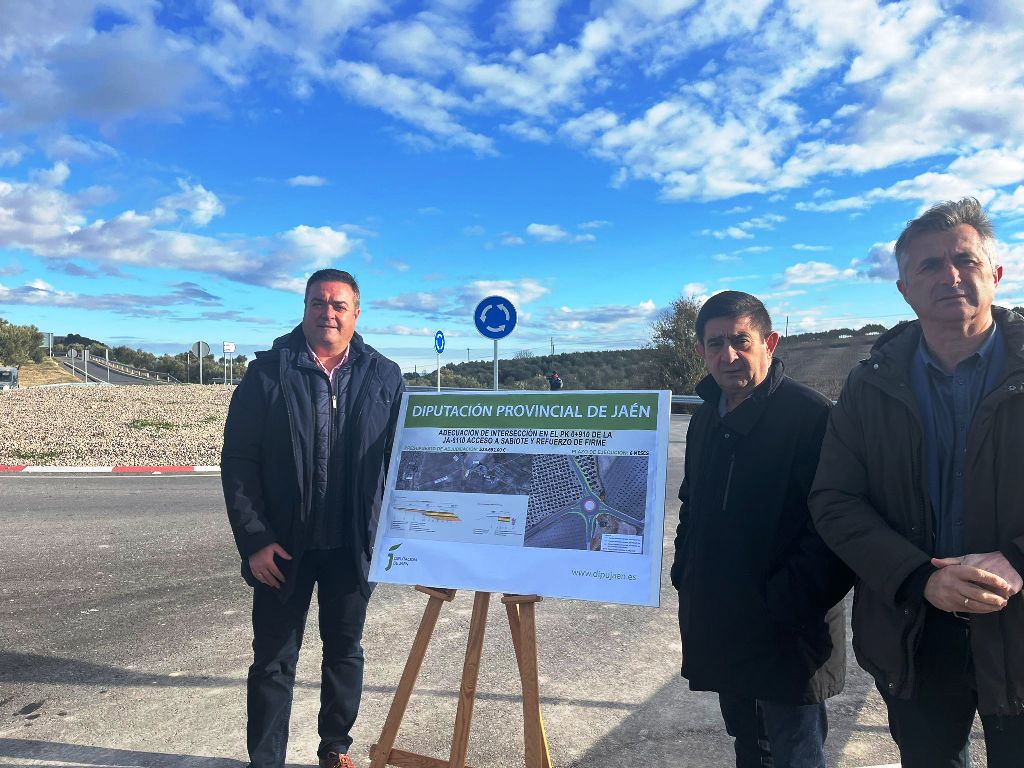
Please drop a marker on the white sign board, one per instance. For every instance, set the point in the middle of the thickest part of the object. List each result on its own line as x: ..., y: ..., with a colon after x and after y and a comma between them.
x: 555, y: 494
x: 229, y: 347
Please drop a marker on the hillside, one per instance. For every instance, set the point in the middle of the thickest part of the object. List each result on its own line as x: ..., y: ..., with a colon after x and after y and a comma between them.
x: 823, y: 364
x: 820, y: 361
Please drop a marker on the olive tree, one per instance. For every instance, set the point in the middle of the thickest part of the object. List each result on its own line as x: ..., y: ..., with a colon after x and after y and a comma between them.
x: 677, y: 365
x: 19, y: 344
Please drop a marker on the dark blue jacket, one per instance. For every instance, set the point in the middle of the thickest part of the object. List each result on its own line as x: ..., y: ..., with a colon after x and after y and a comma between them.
x: 760, y: 609
x: 271, y: 450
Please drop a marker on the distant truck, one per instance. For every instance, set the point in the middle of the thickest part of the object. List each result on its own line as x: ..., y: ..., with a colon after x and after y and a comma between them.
x: 8, y: 378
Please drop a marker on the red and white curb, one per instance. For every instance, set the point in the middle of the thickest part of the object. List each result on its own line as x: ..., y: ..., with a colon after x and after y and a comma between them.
x: 168, y: 469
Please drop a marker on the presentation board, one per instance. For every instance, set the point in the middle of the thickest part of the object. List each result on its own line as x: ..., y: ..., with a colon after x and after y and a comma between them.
x: 560, y: 494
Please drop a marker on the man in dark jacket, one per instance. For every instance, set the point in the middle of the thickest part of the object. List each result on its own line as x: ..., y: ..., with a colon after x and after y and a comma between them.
x: 760, y: 609
x: 920, y: 490
x: 306, y: 445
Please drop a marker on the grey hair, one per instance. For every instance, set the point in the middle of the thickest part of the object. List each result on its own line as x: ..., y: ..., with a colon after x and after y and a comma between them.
x: 942, y: 218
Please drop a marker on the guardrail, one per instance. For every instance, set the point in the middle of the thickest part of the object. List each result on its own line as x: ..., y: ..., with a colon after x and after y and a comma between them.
x: 139, y: 373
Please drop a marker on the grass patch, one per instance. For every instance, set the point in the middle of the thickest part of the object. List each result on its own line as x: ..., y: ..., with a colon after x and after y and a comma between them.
x: 150, y: 424
x: 24, y: 455
x: 46, y: 372
x: 212, y: 418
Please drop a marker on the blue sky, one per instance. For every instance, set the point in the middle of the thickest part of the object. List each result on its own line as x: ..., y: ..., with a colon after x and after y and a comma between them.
x: 172, y: 172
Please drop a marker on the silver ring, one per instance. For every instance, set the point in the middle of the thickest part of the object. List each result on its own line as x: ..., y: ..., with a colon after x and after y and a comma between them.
x: 966, y: 600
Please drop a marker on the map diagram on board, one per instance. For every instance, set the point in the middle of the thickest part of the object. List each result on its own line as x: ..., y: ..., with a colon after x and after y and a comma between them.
x: 533, y: 500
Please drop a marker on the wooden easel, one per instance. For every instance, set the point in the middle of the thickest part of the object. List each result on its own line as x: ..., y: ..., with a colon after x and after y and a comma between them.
x: 522, y: 622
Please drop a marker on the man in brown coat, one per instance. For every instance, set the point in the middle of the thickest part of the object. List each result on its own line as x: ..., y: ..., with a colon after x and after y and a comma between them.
x: 920, y: 489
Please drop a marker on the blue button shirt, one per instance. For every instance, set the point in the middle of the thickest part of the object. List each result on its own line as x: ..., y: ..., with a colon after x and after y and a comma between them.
x: 948, y: 403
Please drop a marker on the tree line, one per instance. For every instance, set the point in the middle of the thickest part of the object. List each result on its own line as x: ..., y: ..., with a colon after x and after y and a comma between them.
x: 20, y: 344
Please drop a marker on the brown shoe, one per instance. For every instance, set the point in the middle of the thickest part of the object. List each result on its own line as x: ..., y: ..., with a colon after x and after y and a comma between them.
x: 336, y: 760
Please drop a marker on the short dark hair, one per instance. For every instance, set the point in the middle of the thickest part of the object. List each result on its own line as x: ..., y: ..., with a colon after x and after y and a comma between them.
x: 734, y: 304
x: 333, y: 276
x: 942, y: 218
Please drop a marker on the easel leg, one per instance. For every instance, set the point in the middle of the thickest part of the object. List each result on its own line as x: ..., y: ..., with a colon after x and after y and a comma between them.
x: 470, y: 672
x: 382, y: 749
x: 522, y: 622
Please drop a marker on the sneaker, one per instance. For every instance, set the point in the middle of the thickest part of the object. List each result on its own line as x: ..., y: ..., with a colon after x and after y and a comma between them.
x: 336, y: 760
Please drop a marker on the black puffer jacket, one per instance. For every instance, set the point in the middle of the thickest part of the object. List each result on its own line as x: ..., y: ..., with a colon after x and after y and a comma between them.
x: 270, y: 452
x: 760, y: 609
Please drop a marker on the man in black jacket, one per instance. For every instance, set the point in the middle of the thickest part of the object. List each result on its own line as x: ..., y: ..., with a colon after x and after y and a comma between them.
x: 306, y: 445
x: 760, y: 609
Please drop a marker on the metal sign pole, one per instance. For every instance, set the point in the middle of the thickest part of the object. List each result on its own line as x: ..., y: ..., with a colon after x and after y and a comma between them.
x: 85, y: 364
x: 439, y: 372
x: 200, y: 369
x: 106, y: 355
x: 495, y: 365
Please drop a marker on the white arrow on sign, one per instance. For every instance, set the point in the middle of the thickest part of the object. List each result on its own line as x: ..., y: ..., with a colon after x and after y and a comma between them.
x: 495, y: 329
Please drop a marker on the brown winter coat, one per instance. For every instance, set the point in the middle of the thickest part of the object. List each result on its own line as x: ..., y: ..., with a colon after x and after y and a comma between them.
x: 870, y: 503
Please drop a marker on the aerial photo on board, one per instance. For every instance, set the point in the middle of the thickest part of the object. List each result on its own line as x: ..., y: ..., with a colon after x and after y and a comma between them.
x: 572, y: 502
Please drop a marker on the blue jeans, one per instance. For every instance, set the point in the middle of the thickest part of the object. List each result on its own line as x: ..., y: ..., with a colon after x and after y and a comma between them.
x: 771, y: 735
x: 932, y: 728
x: 277, y: 638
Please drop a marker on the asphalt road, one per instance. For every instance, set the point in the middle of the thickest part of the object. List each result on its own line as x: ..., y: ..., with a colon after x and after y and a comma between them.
x: 124, y: 640
x: 98, y: 370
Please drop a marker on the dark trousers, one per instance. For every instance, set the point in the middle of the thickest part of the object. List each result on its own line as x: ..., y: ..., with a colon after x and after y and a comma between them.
x: 277, y: 637
x: 770, y: 735
x: 932, y: 728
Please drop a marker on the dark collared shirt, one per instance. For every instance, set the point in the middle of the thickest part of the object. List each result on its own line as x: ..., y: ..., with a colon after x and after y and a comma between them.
x: 948, y: 403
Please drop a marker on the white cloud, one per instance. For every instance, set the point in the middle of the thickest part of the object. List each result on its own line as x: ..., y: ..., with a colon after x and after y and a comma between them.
x: 527, y: 131
x: 880, y: 263
x: 805, y: 247
x: 815, y: 273
x: 428, y: 44
x: 50, y: 224
x: 420, y: 302
x: 10, y: 157
x: 322, y: 244
x: 520, y: 292
x: 307, y: 181
x: 734, y: 233
x: 71, y: 148
x: 201, y: 204
x: 398, y: 330
x: 512, y: 240
x: 533, y: 19
x: 694, y: 289
x: 52, y: 177
x: 473, y: 230
x: 595, y: 224
x: 414, y: 101
x: 601, y: 318
x: 549, y: 233
x: 741, y: 231
x: 553, y: 233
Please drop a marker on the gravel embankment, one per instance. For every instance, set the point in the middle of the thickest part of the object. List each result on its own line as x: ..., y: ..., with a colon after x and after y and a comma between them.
x: 104, y: 426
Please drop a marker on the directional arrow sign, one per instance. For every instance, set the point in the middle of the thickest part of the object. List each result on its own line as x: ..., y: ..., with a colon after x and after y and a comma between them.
x: 439, y: 342
x: 495, y: 317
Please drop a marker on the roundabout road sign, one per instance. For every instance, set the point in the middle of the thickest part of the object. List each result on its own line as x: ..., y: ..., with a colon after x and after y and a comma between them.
x: 495, y: 317
x: 439, y: 342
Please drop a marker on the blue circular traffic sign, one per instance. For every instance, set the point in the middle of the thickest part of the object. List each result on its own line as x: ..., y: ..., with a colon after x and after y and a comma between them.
x: 495, y: 317
x: 439, y: 342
